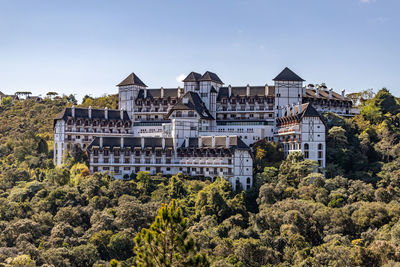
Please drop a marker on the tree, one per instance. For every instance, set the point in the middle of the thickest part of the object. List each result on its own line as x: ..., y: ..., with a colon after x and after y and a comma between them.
x: 167, y: 242
x: 51, y: 94
x: 6, y: 101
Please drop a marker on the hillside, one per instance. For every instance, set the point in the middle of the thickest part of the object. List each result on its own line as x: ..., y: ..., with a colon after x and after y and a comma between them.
x: 292, y: 217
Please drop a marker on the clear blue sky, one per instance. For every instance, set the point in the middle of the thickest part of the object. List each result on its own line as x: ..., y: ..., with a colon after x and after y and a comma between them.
x: 87, y: 47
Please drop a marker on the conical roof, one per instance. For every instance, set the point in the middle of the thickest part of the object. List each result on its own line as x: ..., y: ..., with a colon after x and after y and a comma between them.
x: 288, y: 75
x: 192, y: 77
x: 210, y: 76
x: 132, y: 79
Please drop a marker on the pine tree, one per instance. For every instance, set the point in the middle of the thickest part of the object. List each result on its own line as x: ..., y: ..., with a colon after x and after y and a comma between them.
x: 167, y: 242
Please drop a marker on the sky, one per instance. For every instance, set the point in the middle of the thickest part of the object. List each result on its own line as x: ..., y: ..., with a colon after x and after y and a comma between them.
x: 89, y: 46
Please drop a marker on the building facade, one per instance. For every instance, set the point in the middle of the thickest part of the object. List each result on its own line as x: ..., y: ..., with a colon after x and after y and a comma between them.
x: 202, y: 129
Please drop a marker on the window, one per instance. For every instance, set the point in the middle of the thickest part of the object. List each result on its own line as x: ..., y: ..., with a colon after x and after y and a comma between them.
x: 320, y: 146
x: 306, y: 151
x: 238, y: 185
x: 248, y: 183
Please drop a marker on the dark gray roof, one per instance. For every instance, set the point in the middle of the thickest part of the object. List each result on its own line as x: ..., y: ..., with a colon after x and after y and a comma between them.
x: 241, y: 91
x: 311, y: 93
x: 307, y: 110
x: 132, y: 79
x: 210, y: 76
x: 235, y: 142
x: 156, y: 93
x: 288, y: 75
x: 193, y: 77
x: 194, y: 103
x: 83, y: 113
x: 213, y: 90
x: 132, y: 142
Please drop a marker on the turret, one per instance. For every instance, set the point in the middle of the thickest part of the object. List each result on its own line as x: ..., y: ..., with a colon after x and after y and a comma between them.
x: 128, y: 91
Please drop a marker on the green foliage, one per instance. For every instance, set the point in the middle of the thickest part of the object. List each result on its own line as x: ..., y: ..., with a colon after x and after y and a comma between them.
x: 167, y: 242
x: 347, y: 216
x: 6, y: 101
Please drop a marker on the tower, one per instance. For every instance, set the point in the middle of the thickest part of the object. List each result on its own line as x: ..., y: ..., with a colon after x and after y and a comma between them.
x: 209, y: 84
x: 288, y: 89
x: 128, y: 91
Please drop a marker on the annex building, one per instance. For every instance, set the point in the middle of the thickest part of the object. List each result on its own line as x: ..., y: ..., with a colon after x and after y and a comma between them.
x: 202, y: 129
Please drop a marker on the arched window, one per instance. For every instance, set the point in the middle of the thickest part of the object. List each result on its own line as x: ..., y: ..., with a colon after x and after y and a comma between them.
x: 238, y: 186
x: 306, y: 150
x: 248, y: 183
x: 320, y: 151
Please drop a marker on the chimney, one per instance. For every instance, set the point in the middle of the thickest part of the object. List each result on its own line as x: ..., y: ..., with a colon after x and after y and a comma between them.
x: 163, y: 143
x: 299, y: 106
x: 101, y: 141
x: 248, y: 90
x: 186, y: 141
x: 121, y: 113
x: 343, y: 91
x: 266, y: 90
x: 179, y: 91
x: 162, y: 92
x: 227, y: 141
x: 106, y: 113
x: 317, y: 91
x: 90, y: 112
x: 212, y: 141
x: 73, y: 111
x: 279, y: 111
x: 142, y: 142
x: 330, y: 92
x: 229, y: 91
x: 122, y: 142
x: 145, y: 92
x: 200, y: 141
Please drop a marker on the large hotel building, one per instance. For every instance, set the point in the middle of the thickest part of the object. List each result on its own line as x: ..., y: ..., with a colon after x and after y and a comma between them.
x: 201, y: 129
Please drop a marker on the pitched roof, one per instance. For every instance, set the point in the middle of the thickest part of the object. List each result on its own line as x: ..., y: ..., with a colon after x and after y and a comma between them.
x: 294, y: 113
x: 132, y: 79
x: 288, y: 75
x: 194, y: 103
x: 156, y: 93
x: 192, y: 77
x: 311, y: 93
x: 213, y: 90
x: 241, y: 91
x: 131, y: 142
x: 83, y: 113
x: 210, y: 76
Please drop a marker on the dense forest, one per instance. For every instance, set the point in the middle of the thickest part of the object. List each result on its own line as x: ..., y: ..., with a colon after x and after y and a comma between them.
x: 66, y: 216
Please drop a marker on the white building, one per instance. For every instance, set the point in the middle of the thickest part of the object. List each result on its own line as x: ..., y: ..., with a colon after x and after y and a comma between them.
x: 202, y: 129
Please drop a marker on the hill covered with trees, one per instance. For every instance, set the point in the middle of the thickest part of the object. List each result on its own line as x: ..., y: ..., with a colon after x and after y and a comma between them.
x: 291, y: 217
